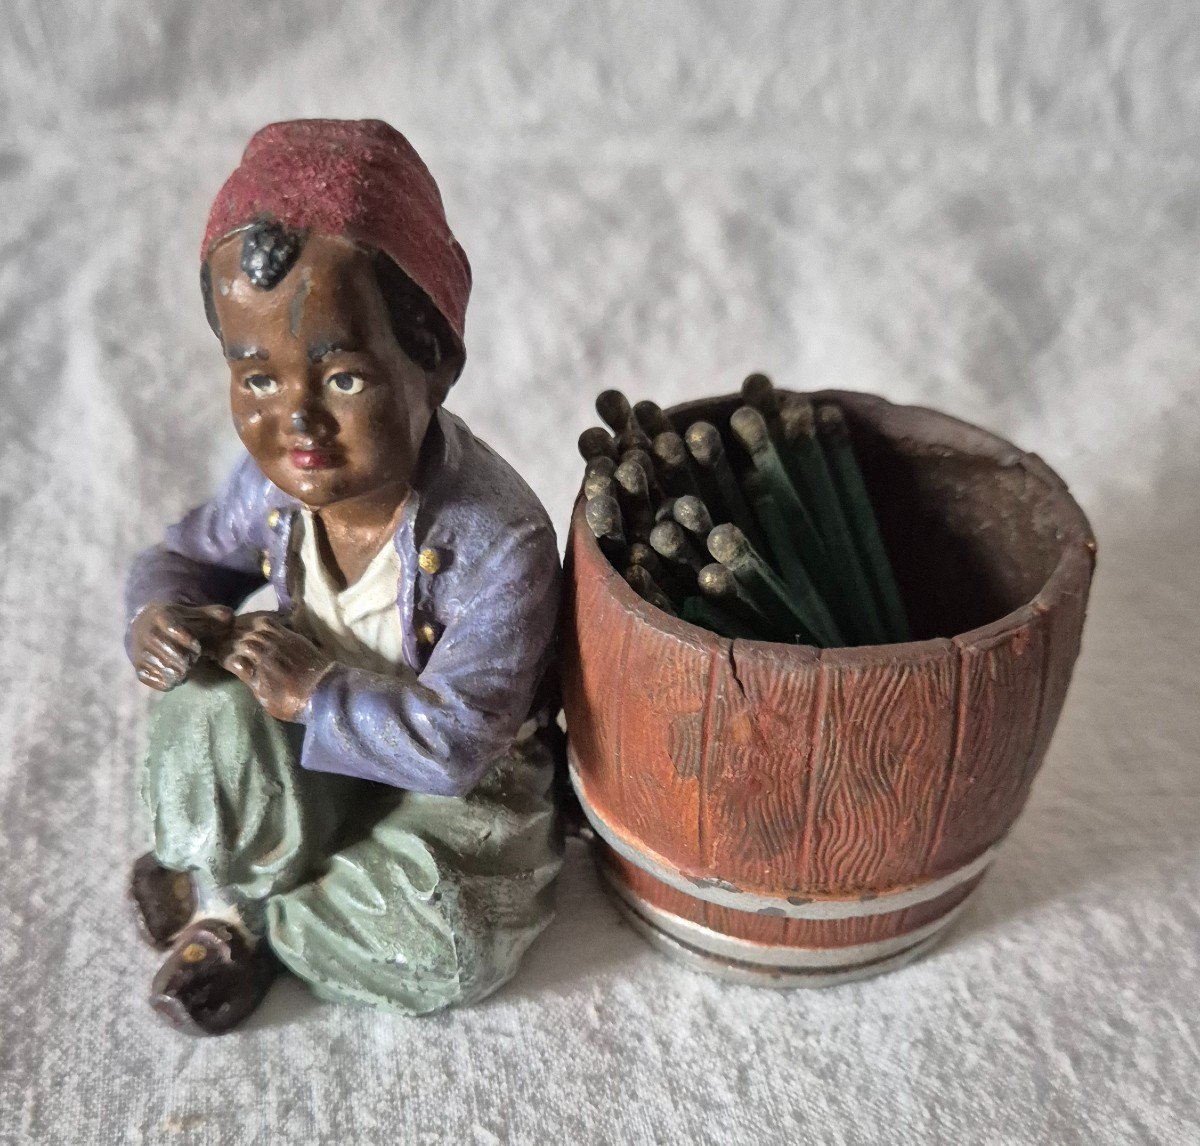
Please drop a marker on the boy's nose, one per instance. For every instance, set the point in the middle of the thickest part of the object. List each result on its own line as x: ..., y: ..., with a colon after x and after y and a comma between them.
x: 300, y: 421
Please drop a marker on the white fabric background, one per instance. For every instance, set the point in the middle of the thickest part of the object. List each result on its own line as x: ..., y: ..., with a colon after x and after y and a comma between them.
x: 989, y: 207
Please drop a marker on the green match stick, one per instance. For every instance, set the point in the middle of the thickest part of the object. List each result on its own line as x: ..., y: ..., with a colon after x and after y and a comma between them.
x: 597, y: 442
x: 750, y: 429
x: 723, y: 496
x: 633, y: 492
x: 674, y: 464
x: 758, y: 581
x: 706, y: 614
x: 720, y: 587
x: 804, y: 593
x: 603, y: 514
x: 646, y: 588
x: 858, y: 611
x: 860, y: 516
x: 650, y: 417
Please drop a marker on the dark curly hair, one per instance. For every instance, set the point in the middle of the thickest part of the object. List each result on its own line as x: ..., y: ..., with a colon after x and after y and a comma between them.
x: 270, y: 250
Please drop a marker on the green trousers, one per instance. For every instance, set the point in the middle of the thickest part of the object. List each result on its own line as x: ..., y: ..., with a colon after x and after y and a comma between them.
x: 369, y: 894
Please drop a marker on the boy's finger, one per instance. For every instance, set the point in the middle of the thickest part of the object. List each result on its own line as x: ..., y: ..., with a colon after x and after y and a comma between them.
x: 171, y: 653
x: 241, y: 665
x: 149, y: 676
x: 179, y: 633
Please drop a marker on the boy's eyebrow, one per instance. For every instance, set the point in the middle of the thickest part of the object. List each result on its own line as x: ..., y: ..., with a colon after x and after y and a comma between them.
x: 319, y: 350
x: 235, y: 353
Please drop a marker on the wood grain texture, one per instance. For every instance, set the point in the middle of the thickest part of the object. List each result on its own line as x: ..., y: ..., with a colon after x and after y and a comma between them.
x: 882, y: 755
x: 1001, y: 670
x: 785, y: 771
x: 758, y: 766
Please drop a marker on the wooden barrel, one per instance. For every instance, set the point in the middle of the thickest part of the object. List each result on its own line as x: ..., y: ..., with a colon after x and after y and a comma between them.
x: 795, y: 816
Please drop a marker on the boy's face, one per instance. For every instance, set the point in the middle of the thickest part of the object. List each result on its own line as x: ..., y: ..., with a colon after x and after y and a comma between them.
x: 323, y: 397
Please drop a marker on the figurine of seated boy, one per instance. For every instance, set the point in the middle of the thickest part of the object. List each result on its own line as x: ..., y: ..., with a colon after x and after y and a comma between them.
x: 357, y: 785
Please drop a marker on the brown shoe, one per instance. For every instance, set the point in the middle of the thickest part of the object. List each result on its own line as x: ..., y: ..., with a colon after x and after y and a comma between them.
x: 212, y: 979
x: 165, y: 900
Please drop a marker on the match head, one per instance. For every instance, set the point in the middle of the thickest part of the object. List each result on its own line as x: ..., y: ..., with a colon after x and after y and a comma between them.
x: 641, y: 554
x: 670, y: 450
x: 651, y: 418
x: 631, y: 477
x: 614, y: 409
x: 832, y: 421
x: 640, y: 578
x: 704, y: 443
x: 633, y: 437
x: 759, y: 391
x: 717, y: 582
x: 692, y: 514
x: 603, y: 465
x: 750, y: 429
x: 639, y: 457
x: 597, y: 442
x: 604, y: 516
x: 796, y: 417
x: 667, y: 540
x: 595, y: 484
x: 728, y: 544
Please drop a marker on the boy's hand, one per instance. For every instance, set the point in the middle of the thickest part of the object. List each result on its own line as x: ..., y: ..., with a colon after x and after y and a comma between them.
x: 279, y: 666
x: 167, y: 640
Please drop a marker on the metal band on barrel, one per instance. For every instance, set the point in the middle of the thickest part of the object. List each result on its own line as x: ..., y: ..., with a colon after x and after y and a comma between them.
x: 772, y: 955
x: 794, y: 907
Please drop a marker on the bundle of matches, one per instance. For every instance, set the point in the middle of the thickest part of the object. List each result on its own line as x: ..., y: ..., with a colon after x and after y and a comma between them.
x: 760, y: 529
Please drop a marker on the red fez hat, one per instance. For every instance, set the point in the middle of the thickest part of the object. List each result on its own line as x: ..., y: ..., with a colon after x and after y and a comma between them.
x: 357, y: 178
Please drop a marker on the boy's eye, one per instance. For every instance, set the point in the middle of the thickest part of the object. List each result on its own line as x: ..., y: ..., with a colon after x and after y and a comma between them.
x: 345, y: 383
x: 260, y: 384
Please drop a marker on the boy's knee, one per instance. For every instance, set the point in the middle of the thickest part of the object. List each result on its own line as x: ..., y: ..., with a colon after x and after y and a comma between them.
x: 210, y: 690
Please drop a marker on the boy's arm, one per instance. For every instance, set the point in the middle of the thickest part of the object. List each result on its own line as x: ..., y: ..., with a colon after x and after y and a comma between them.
x: 211, y: 557
x: 441, y: 730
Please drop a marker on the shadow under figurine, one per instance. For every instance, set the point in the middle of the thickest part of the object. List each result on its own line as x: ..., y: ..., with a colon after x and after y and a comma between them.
x: 359, y: 784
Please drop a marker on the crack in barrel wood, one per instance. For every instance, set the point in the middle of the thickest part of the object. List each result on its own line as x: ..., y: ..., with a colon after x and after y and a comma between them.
x: 788, y: 771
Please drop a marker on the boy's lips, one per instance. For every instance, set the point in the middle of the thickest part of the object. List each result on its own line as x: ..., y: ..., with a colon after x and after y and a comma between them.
x: 311, y: 458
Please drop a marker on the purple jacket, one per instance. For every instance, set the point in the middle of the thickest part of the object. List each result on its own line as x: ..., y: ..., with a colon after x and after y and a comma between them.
x: 478, y: 633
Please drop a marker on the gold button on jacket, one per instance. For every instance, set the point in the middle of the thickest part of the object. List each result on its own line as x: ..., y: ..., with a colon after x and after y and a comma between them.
x: 429, y: 561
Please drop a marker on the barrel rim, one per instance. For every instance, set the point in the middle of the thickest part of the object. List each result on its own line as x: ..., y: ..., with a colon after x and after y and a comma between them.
x: 1077, y: 556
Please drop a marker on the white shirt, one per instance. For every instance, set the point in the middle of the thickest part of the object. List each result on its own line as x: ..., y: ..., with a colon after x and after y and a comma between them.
x: 359, y: 625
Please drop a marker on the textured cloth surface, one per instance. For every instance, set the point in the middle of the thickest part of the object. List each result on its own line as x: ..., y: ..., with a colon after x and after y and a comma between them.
x: 990, y: 208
